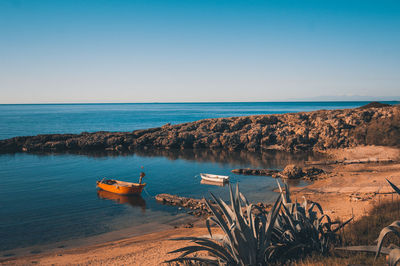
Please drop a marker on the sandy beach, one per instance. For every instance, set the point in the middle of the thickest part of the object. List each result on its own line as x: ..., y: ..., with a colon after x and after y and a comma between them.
x: 148, y: 249
x: 344, y: 191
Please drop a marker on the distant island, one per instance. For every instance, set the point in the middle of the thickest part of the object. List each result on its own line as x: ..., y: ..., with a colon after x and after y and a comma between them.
x: 372, y: 124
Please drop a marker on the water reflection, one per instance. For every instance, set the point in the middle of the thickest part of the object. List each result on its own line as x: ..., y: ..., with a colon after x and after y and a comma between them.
x: 133, y: 200
x: 219, y: 184
x: 260, y: 159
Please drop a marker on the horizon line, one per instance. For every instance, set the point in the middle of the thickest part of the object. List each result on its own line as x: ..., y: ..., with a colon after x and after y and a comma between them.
x: 183, y: 102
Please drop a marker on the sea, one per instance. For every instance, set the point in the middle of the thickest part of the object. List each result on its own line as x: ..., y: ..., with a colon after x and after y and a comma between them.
x: 50, y: 201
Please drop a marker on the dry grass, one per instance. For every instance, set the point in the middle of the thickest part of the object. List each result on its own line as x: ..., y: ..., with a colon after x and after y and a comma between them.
x: 366, y: 230
x: 339, y: 260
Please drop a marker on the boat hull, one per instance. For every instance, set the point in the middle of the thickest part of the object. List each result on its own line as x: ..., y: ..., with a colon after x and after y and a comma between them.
x: 121, y: 188
x: 214, y: 178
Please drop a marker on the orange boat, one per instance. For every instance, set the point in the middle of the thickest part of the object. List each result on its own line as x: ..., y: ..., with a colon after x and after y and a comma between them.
x: 120, y: 187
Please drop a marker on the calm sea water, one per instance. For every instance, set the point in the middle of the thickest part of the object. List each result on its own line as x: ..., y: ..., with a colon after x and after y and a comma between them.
x: 47, y: 200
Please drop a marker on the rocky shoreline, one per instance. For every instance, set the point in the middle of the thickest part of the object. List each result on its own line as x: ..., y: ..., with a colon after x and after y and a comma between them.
x: 291, y: 171
x: 249, y: 171
x: 198, y: 207
x: 373, y: 124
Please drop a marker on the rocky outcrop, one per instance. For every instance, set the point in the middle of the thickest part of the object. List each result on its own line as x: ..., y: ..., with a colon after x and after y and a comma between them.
x: 198, y: 207
x: 292, y: 171
x: 290, y: 132
x: 374, y: 105
x: 249, y: 171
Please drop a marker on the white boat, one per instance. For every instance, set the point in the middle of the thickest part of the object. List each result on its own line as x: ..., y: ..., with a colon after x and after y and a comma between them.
x: 214, y: 178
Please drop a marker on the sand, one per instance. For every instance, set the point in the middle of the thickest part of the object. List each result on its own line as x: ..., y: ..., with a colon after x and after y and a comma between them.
x: 148, y: 249
x: 345, y: 191
x: 351, y: 190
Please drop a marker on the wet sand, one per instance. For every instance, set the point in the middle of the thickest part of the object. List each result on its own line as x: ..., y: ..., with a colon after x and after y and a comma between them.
x: 345, y: 191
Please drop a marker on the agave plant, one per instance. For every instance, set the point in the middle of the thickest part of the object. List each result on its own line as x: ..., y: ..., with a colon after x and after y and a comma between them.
x: 304, y: 228
x: 247, y: 240
x: 287, y: 229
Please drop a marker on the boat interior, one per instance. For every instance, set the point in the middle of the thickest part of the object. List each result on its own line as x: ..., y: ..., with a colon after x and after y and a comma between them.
x: 121, y: 183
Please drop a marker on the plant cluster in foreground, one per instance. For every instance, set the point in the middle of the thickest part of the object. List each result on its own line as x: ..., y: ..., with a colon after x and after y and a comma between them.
x: 290, y: 230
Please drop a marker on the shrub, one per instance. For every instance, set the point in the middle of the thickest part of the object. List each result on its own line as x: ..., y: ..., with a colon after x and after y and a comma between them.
x: 304, y: 228
x: 288, y: 230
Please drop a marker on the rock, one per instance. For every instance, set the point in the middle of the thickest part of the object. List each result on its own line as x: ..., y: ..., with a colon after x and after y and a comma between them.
x: 198, y: 206
x: 312, y: 171
x: 292, y: 171
x: 248, y: 171
x: 188, y: 225
x: 374, y: 105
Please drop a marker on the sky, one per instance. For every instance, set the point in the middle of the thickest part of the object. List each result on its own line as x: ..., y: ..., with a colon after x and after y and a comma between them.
x: 198, y: 50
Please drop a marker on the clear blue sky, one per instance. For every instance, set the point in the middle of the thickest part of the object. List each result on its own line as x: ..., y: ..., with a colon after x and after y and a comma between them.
x: 198, y: 50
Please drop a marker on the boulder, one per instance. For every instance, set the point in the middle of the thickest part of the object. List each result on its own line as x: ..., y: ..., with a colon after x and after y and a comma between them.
x: 312, y: 171
x: 292, y: 171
